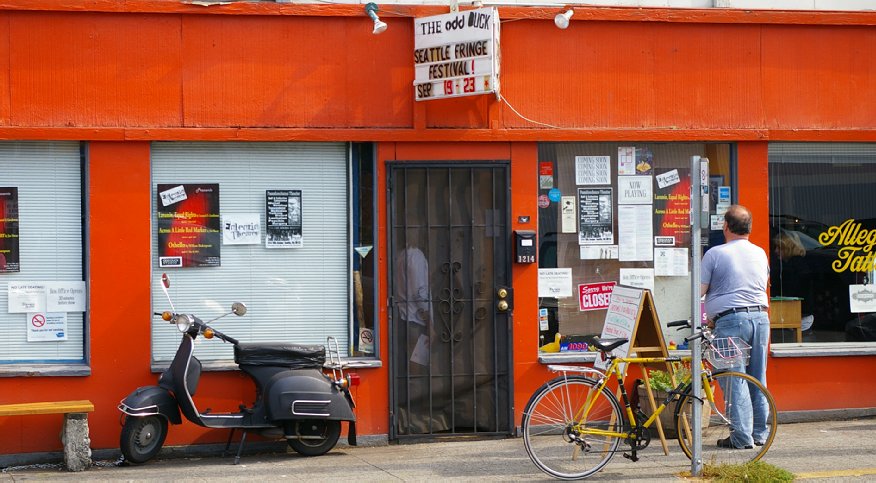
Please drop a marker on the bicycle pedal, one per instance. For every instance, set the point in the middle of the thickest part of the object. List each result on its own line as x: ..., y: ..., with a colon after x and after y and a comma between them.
x: 631, y: 457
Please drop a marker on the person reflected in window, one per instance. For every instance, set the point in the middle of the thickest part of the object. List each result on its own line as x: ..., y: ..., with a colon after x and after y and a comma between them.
x: 734, y: 278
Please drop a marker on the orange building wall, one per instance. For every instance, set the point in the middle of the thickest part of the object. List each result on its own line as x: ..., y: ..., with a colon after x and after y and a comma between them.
x: 275, y: 72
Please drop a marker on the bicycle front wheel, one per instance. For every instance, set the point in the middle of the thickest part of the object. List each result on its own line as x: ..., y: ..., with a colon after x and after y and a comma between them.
x: 738, y: 426
x: 559, y: 439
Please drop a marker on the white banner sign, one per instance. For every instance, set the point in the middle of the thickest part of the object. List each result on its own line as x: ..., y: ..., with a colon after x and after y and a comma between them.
x: 65, y: 296
x: 46, y: 326
x: 456, y: 54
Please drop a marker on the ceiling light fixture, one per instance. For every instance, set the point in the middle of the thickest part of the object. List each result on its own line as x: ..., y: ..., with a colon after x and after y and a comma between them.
x: 371, y: 10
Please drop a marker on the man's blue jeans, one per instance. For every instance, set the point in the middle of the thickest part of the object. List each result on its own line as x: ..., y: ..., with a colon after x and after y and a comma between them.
x: 749, y: 409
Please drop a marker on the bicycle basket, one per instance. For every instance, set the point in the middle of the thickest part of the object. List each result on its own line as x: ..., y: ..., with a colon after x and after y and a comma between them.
x: 727, y: 352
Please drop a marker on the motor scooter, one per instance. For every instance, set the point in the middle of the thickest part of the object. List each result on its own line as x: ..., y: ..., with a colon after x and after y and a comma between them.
x: 298, y: 396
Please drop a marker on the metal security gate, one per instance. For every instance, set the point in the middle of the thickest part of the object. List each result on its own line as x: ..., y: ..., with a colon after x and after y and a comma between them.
x: 450, y: 336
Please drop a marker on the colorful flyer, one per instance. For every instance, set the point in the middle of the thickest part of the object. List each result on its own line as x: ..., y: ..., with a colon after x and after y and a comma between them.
x: 189, y: 231
x: 9, y: 254
x: 672, y: 207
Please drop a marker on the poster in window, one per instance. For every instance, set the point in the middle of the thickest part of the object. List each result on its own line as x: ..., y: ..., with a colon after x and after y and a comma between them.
x: 189, y: 229
x: 595, y: 216
x: 283, y: 219
x: 672, y: 207
x: 9, y: 254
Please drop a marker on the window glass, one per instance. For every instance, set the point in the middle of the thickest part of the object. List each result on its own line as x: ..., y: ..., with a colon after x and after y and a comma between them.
x: 300, y: 277
x: 40, y: 248
x: 618, y: 213
x: 822, y: 236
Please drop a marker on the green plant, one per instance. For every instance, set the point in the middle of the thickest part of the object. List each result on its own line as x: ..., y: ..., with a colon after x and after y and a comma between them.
x: 757, y: 471
x: 660, y: 380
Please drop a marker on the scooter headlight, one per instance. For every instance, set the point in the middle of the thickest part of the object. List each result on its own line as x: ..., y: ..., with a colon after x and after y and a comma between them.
x: 184, y: 322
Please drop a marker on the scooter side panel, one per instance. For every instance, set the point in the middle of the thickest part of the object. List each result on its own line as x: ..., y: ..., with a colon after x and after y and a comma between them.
x: 306, y: 394
x: 150, y: 400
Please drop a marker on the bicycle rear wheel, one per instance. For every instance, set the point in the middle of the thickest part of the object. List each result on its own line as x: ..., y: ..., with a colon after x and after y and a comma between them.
x: 717, y: 421
x: 554, y: 441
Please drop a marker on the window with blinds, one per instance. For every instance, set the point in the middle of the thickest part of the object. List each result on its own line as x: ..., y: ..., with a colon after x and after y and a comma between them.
x: 299, y: 295
x: 47, y: 182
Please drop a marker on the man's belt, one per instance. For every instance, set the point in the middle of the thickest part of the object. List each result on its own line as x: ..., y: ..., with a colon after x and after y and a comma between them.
x: 753, y: 308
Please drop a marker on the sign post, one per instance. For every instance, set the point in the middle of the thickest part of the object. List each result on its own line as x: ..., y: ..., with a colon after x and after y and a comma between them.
x: 698, y: 204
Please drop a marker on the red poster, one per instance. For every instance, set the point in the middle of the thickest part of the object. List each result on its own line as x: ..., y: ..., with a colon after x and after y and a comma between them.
x: 672, y: 207
x: 595, y: 296
x: 9, y: 255
x: 188, y: 225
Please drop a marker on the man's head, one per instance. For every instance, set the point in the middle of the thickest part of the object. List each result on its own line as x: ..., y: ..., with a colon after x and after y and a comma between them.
x: 737, y: 220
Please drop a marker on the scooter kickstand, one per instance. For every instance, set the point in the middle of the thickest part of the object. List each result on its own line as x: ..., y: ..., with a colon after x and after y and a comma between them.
x: 240, y: 448
x: 228, y: 443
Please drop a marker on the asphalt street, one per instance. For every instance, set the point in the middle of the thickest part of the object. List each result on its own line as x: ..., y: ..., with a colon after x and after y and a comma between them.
x: 814, y: 451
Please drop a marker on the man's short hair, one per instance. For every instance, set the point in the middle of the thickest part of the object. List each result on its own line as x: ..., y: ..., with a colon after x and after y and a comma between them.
x: 738, y: 220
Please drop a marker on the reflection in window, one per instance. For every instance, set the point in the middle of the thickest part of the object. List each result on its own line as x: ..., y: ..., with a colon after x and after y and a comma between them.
x: 822, y: 229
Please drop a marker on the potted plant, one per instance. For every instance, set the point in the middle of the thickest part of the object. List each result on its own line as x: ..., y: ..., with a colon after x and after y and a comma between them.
x: 661, y: 384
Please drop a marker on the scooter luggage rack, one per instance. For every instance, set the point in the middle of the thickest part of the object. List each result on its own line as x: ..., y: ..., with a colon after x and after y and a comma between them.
x: 333, y: 352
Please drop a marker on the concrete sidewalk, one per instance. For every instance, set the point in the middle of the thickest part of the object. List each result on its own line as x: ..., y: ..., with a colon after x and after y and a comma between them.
x: 826, y: 451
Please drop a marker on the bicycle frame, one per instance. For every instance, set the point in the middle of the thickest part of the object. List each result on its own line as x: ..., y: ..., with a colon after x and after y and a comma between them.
x: 615, y: 371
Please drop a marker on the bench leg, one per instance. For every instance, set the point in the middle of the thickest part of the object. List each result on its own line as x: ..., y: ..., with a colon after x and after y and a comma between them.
x: 77, y: 444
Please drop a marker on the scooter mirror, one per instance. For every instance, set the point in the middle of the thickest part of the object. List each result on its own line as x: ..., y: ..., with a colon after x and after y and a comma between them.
x: 238, y: 308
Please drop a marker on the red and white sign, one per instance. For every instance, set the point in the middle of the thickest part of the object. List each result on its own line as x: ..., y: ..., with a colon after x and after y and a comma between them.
x: 595, y: 296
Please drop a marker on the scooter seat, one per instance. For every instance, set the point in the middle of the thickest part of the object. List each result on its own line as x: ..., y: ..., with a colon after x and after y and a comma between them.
x: 293, y: 356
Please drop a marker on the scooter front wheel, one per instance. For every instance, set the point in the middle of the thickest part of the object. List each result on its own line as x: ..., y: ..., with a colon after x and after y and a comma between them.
x: 314, y: 437
x: 142, y: 438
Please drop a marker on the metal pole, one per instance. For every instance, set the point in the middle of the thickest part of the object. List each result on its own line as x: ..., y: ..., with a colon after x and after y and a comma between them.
x: 699, y: 172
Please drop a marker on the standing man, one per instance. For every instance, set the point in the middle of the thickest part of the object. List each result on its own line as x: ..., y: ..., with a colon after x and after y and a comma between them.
x: 734, y: 278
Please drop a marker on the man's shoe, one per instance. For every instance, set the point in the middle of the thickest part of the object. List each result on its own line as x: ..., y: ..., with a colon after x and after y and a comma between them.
x: 758, y: 443
x: 725, y: 443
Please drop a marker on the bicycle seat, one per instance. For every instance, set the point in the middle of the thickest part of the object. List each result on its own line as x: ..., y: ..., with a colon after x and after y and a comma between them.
x: 608, y: 345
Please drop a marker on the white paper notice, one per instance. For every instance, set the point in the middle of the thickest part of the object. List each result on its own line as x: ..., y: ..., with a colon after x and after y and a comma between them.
x: 173, y: 195
x: 635, y: 190
x: 862, y: 298
x: 638, y: 277
x: 626, y: 160
x: 599, y: 252
x: 26, y: 297
x: 635, y: 233
x: 46, y: 326
x: 668, y: 178
x: 420, y: 354
x: 568, y: 214
x: 241, y: 229
x: 555, y: 282
x: 670, y: 262
x: 620, y: 320
x: 65, y: 296
x: 592, y: 170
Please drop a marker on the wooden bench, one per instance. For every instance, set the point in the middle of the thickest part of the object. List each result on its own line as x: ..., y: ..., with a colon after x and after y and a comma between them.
x: 77, y: 451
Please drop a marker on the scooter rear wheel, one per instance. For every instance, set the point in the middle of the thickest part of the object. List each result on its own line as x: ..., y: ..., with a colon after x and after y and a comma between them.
x: 142, y: 438
x: 320, y: 436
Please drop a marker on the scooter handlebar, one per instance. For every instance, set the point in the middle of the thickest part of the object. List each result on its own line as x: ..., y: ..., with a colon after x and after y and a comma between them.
x: 226, y: 338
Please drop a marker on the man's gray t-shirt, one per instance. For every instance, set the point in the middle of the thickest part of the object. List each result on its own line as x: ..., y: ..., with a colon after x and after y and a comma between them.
x: 737, y: 274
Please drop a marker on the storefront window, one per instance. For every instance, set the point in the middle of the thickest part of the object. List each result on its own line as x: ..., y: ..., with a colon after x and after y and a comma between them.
x: 822, y: 237
x: 286, y: 228
x: 41, y: 255
x: 618, y: 213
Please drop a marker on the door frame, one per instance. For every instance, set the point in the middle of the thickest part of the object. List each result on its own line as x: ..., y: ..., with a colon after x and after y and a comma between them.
x: 390, y: 166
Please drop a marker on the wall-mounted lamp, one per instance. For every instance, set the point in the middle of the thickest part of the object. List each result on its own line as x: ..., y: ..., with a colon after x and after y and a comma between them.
x: 562, y: 19
x: 371, y: 10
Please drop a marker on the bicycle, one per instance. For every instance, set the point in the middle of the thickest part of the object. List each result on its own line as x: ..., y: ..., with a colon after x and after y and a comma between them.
x: 573, y: 424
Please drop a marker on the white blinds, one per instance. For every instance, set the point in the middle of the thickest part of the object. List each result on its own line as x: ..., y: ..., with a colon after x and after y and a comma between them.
x: 49, y: 181
x: 293, y: 294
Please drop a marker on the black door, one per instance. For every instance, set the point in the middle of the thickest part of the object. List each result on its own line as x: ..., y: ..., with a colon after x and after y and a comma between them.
x: 450, y: 338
